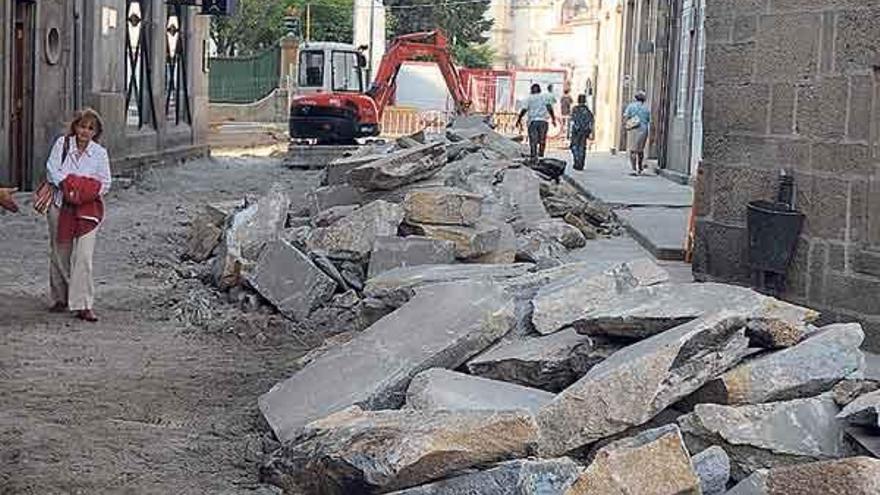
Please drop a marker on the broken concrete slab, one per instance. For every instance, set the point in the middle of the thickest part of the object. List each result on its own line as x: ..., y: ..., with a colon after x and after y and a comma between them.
x: 809, y: 368
x: 290, y: 281
x: 850, y: 389
x: 248, y: 231
x: 327, y: 197
x: 864, y: 411
x: 654, y: 462
x: 850, y: 476
x: 634, y: 384
x: 561, y: 232
x: 565, y: 302
x: 442, y: 389
x: 713, y: 468
x: 470, y: 242
x: 206, y: 230
x: 443, y: 205
x: 397, y: 252
x: 537, y: 248
x: 551, y: 362
x: 587, y: 229
x: 532, y: 281
x: 354, y: 234
x: 204, y: 237
x: 337, y: 171
x: 519, y: 477
x: 400, y: 168
x: 865, y: 439
x: 521, y: 187
x: 441, y: 326
x: 504, y: 252
x: 329, y: 216
x: 395, y: 287
x: 355, y: 451
x: 768, y: 435
x: 650, y: 310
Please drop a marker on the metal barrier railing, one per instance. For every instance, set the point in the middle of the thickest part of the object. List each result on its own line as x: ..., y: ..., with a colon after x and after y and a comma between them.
x: 402, y: 121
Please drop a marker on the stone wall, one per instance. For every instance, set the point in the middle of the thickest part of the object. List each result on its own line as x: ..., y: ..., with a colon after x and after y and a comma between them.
x: 795, y: 84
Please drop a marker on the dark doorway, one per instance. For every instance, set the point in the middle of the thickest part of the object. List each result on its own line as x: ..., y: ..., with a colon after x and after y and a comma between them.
x: 20, y: 130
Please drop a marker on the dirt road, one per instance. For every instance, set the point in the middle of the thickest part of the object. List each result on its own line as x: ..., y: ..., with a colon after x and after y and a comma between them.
x: 140, y: 402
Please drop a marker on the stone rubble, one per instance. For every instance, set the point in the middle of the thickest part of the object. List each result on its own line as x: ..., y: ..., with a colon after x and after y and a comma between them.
x: 441, y: 326
x: 769, y: 435
x: 634, y: 384
x: 551, y: 362
x: 654, y: 462
x: 809, y: 368
x: 441, y: 389
x: 469, y: 341
x: 356, y: 451
x: 850, y: 476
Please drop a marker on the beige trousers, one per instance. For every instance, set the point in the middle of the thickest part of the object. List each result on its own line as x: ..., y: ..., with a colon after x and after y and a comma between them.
x: 70, y: 267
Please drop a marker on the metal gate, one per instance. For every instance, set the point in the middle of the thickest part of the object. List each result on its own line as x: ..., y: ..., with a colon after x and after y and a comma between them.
x: 244, y: 79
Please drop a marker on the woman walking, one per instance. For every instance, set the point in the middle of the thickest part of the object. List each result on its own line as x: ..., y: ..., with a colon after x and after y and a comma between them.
x: 637, y: 117
x: 78, y: 171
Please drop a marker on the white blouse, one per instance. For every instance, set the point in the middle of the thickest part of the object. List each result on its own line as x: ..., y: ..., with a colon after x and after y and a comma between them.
x: 93, y: 162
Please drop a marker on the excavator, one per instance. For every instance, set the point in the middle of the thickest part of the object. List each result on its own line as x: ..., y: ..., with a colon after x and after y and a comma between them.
x: 332, y: 108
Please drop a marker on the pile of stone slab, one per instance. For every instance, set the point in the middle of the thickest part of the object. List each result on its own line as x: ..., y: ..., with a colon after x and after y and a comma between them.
x: 618, y: 382
x: 464, y: 200
x: 483, y: 360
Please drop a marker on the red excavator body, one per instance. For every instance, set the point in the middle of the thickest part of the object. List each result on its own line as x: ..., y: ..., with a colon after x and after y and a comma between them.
x: 332, y: 107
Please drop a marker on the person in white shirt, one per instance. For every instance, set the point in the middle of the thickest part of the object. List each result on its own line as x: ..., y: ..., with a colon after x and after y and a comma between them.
x: 70, y: 263
x: 538, y: 109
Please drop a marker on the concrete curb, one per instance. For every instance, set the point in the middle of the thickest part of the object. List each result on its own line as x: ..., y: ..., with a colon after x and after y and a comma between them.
x: 658, y: 252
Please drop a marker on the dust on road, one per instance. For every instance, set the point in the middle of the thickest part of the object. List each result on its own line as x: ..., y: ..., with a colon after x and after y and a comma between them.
x: 143, y: 401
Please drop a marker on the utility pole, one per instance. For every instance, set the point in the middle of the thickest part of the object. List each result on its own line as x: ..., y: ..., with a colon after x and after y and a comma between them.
x: 370, y: 63
x: 308, y: 22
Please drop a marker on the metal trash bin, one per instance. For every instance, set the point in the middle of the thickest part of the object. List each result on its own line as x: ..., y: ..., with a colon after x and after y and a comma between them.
x: 773, y: 234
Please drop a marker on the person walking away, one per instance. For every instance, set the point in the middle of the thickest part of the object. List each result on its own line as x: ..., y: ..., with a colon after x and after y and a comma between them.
x: 6, y: 200
x: 637, y: 117
x: 78, y: 170
x: 582, y: 122
x: 565, y: 111
x: 537, y: 109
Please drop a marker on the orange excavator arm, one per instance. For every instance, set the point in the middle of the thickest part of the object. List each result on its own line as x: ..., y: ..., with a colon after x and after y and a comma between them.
x: 430, y: 44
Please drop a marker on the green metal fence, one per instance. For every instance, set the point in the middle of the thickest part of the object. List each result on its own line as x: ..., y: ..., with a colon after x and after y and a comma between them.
x: 244, y: 79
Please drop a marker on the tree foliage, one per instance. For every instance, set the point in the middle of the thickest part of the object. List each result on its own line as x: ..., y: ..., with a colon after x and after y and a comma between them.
x: 331, y: 20
x: 257, y: 25
x: 464, y: 23
x: 473, y: 55
x: 260, y: 23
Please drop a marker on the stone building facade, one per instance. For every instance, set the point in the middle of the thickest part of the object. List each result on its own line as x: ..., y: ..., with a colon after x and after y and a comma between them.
x: 795, y: 85
x: 137, y: 62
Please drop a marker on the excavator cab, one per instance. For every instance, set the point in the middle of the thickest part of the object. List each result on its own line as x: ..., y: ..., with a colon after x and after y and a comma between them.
x: 330, y: 99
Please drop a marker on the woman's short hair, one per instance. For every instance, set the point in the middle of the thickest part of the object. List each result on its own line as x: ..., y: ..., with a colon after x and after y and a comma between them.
x: 85, y: 116
x: 641, y: 96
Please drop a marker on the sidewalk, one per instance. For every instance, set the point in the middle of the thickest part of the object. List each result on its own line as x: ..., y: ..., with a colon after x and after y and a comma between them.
x: 654, y: 210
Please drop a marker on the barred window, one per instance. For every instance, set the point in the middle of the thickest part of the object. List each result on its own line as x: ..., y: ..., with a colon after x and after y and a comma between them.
x: 138, y: 93
x: 177, y: 110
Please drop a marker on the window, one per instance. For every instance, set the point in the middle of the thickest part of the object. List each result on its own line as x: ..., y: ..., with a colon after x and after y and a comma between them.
x: 138, y: 95
x: 177, y: 109
x: 346, y: 72
x: 311, y: 68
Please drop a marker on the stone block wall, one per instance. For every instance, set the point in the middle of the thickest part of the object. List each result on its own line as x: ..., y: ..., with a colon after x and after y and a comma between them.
x: 795, y: 84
